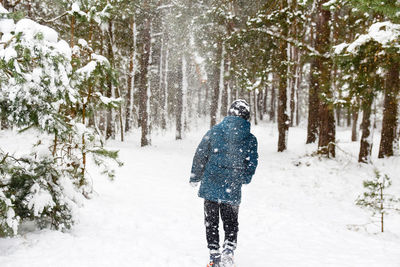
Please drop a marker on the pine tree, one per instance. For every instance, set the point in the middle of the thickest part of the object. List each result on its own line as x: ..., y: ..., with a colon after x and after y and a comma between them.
x: 48, y: 88
x: 376, y: 199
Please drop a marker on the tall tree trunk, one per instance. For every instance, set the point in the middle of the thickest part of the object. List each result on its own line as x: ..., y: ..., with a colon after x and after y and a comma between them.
x: 102, y: 113
x: 131, y: 78
x: 181, y: 99
x: 335, y: 28
x: 366, y: 128
x: 91, y: 115
x: 338, y: 115
x: 179, y: 108
x: 272, y: 107
x: 313, y: 94
x: 338, y: 110
x: 165, y: 83
x: 260, y: 104
x: 110, y: 131
x: 199, y: 94
x: 225, y: 92
x: 121, y: 124
x: 313, y: 103
x: 338, y: 107
x: 327, y: 127
x: 265, y: 104
x: 389, y: 122
x: 255, y: 108
x: 283, y: 118
x: 299, y: 81
x: 185, y: 94
x: 293, y: 85
x: 326, y: 142
x: 348, y: 116
x: 161, y: 81
x: 354, y: 135
x: 206, y: 87
x: 144, y: 80
x: 215, y: 85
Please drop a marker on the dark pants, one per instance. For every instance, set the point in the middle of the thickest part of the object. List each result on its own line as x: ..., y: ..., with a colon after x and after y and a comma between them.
x: 229, y: 215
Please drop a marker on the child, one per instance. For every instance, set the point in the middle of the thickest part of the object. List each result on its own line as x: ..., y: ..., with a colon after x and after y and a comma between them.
x: 225, y: 159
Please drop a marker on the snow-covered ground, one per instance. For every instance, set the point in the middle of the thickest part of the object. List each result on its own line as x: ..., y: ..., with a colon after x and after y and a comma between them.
x: 296, y: 212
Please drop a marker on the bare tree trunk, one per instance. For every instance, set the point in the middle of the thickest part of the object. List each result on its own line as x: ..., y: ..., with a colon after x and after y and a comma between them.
x: 121, y: 124
x: 354, y: 135
x: 165, y: 83
x: 92, y: 114
x: 199, y: 94
x: 335, y: 29
x: 260, y: 104
x: 326, y: 142
x: 255, y: 109
x: 229, y: 89
x: 313, y: 94
x: 144, y: 80
x: 272, y: 107
x: 185, y: 94
x: 161, y: 80
x: 389, y: 122
x: 366, y: 128
x: 299, y: 82
x: 225, y: 93
x: 293, y: 87
x: 206, y: 87
x: 338, y: 115
x: 110, y: 131
x: 215, y: 85
x: 338, y: 107
x: 313, y: 104
x: 102, y: 113
x: 265, y: 106
x: 283, y: 118
x: 327, y: 127
x: 131, y: 78
x: 348, y: 116
x: 109, y: 123
x: 179, y: 102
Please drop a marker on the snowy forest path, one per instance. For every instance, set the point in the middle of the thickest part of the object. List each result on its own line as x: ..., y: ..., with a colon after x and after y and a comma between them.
x: 295, y: 213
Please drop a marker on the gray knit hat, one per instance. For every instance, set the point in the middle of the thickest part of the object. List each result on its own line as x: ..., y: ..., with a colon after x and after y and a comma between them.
x: 240, y: 108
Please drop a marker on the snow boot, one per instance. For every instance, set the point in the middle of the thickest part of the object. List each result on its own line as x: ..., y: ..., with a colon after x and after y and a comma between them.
x: 227, y: 258
x: 227, y: 254
x: 215, y: 259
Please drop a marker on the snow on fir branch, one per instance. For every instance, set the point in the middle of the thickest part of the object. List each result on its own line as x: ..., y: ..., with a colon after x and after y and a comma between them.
x: 385, y: 33
x: 46, y: 89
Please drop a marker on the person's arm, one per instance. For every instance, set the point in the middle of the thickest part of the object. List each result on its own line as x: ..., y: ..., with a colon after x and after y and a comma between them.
x: 200, y: 159
x: 252, y: 160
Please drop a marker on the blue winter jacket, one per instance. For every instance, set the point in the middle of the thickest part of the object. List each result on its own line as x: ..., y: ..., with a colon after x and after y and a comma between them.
x: 225, y: 159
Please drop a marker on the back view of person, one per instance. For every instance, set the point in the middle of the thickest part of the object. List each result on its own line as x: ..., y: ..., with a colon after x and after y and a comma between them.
x: 225, y: 159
